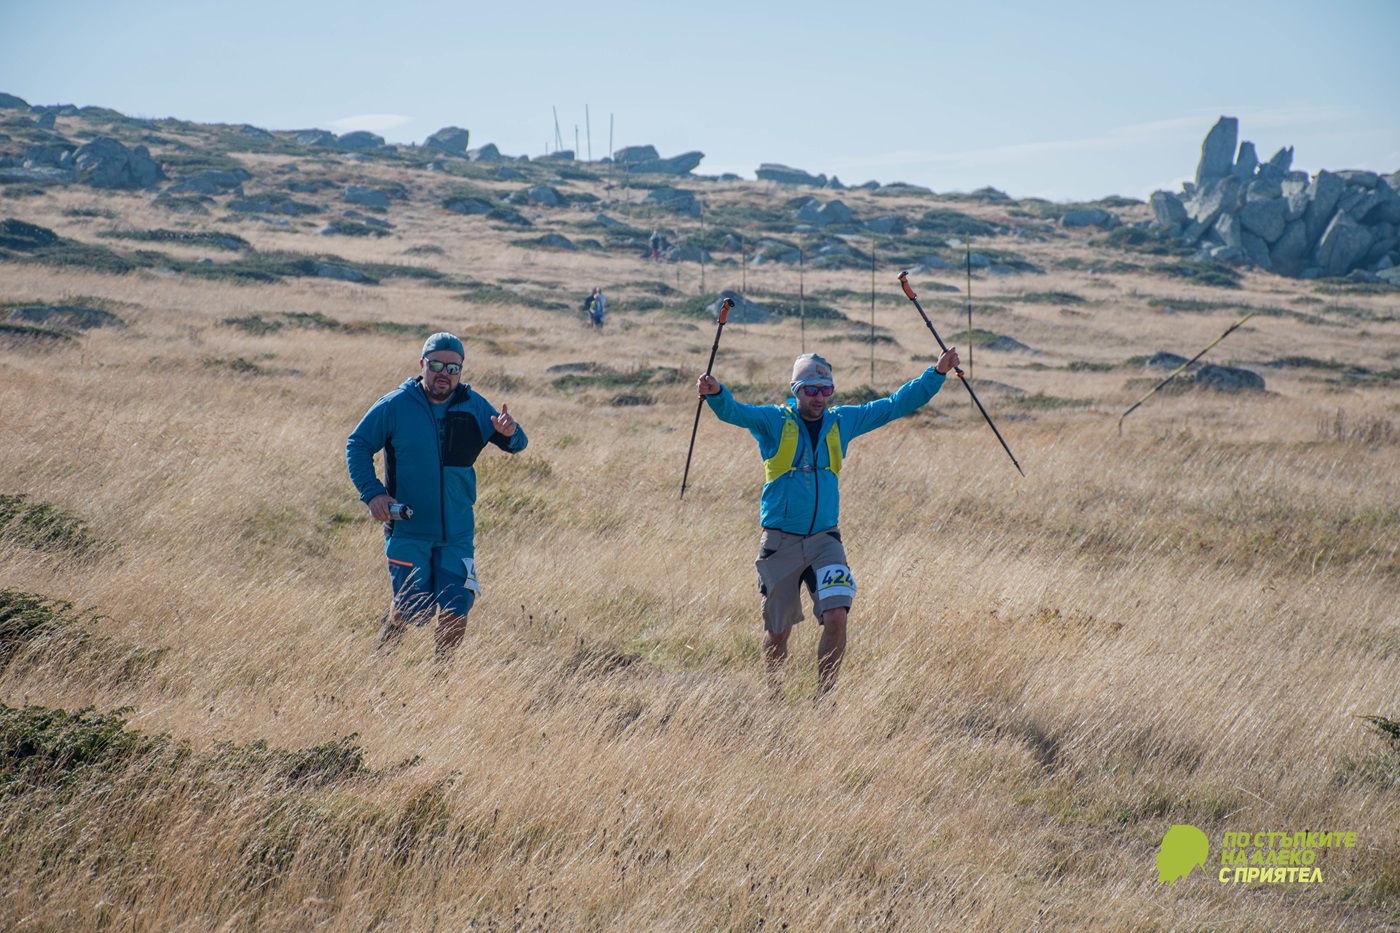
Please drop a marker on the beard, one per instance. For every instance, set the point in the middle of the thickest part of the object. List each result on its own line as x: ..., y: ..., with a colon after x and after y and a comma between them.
x: 437, y: 396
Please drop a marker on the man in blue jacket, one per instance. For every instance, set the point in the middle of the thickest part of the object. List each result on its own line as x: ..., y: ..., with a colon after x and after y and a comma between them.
x: 802, y: 444
x: 431, y: 429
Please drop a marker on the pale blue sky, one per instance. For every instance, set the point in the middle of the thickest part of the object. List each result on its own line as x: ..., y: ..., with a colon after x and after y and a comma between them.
x: 1067, y: 100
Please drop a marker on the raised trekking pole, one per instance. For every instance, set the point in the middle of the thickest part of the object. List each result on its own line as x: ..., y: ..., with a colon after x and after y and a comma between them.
x: 909, y: 292
x: 714, y: 348
x: 1181, y: 369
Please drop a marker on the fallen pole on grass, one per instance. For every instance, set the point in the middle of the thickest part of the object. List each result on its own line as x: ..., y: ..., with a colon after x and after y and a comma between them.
x: 1180, y: 369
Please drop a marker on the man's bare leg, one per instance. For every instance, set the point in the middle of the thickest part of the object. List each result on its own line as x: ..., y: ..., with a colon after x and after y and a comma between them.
x: 831, y: 649
x: 448, y: 634
x: 391, y: 629
x: 775, y: 652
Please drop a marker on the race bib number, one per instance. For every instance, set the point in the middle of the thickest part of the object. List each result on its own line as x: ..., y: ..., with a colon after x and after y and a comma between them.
x: 472, y: 583
x: 835, y: 580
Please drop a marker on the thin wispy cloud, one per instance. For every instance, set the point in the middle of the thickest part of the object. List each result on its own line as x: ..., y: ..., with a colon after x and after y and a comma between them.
x: 373, y: 122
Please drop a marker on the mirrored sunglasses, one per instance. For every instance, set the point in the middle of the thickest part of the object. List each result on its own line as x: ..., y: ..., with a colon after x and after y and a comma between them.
x: 438, y: 366
x: 814, y: 391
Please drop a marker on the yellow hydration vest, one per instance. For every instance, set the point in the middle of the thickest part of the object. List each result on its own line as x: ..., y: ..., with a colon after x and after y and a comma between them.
x: 781, y: 463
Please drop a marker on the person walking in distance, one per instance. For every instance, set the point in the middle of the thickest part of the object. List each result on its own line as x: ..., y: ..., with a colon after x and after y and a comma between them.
x: 655, y: 243
x: 431, y: 429
x: 595, y: 314
x: 803, y: 443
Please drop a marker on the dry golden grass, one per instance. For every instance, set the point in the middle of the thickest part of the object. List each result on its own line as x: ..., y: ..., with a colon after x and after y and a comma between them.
x: 1181, y: 624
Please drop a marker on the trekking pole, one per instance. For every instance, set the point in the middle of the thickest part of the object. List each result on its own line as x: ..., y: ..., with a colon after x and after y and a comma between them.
x: 1180, y: 369
x: 909, y: 292
x: 714, y: 348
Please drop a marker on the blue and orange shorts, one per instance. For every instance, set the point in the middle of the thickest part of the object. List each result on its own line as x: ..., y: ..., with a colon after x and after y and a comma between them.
x: 427, y: 578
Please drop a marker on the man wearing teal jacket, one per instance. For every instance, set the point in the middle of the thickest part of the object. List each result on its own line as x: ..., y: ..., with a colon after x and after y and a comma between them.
x: 803, y: 443
x: 431, y: 429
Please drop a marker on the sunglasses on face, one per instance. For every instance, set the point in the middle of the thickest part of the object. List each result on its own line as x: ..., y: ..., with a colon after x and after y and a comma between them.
x: 438, y: 366
x: 814, y: 391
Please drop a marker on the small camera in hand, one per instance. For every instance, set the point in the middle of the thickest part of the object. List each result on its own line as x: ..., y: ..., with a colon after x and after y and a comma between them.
x: 398, y: 512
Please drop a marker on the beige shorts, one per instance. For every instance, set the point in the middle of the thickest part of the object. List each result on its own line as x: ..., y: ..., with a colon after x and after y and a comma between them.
x: 787, y: 562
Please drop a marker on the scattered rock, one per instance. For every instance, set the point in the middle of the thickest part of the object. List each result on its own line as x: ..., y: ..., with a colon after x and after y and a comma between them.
x: 330, y: 270
x: 450, y: 139
x: 368, y: 197
x: 1164, y: 360
x: 1228, y: 379
x: 468, y: 205
x: 106, y: 163
x: 1090, y: 217
x: 743, y: 312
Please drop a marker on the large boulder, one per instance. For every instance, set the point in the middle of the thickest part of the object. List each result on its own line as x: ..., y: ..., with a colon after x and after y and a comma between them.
x: 106, y: 163
x: 772, y: 171
x: 1289, y: 254
x: 820, y: 215
x: 360, y: 139
x: 1218, y: 150
x: 628, y: 155
x: 1344, y: 244
x: 451, y: 139
x: 546, y: 195
x: 487, y: 153
x: 11, y: 102
x: 1167, y: 209
x: 1265, y: 218
x: 1323, y: 194
x: 683, y: 164
x: 1216, y: 196
x: 323, y: 138
x: 368, y: 197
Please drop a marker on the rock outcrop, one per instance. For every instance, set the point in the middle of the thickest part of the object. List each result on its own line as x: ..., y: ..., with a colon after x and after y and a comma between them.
x: 106, y: 163
x: 786, y: 175
x: 1264, y: 214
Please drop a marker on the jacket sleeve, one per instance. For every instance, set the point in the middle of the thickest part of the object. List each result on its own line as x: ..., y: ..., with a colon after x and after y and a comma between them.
x: 907, y: 399
x: 368, y: 438
x: 763, y: 421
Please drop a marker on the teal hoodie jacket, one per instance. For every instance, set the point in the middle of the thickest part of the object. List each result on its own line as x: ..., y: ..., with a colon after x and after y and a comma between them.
x: 807, y: 499
x: 436, y: 479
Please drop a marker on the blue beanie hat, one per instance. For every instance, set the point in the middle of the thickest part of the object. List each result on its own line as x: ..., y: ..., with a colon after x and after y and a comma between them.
x: 444, y: 341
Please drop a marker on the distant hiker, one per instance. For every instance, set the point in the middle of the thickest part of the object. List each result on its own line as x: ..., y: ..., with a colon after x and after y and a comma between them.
x: 595, y: 315
x: 655, y: 244
x: 803, y: 443
x: 431, y: 429
x: 588, y: 303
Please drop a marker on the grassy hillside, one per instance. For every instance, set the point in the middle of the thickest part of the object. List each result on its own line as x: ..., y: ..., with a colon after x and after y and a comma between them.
x: 1193, y: 621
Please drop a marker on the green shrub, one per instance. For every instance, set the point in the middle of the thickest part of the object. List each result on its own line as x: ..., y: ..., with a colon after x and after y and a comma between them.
x: 43, y: 527
x: 224, y: 241
x: 1216, y: 274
